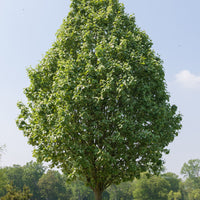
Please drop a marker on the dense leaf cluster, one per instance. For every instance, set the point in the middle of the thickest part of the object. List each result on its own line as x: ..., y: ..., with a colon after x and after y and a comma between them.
x: 16, y: 183
x: 97, y: 102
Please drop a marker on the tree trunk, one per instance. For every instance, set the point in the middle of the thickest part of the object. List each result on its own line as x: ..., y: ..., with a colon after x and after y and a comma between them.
x: 98, y: 194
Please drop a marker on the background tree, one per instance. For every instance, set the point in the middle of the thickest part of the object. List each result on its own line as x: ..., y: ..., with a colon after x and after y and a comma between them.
x: 175, y: 188
x: 14, y: 176
x: 2, y: 147
x: 122, y: 191
x: 191, y: 171
x: 151, y: 188
x: 183, y: 190
x: 3, y: 182
x: 80, y: 191
x: 3, y: 177
x: 52, y: 186
x: 174, y: 195
x: 97, y: 102
x: 32, y: 172
x: 173, y: 180
x: 28, y: 175
x: 14, y: 194
x: 194, y: 194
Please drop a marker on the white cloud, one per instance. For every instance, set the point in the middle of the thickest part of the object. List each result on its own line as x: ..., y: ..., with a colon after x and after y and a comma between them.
x: 188, y: 80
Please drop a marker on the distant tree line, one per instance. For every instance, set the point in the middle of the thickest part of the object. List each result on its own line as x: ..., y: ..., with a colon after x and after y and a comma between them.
x: 33, y: 181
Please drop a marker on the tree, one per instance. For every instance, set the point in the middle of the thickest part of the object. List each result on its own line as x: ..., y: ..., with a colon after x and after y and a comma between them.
x: 28, y: 175
x: 151, y: 188
x: 175, y: 186
x: 174, y: 195
x: 14, y: 176
x: 32, y: 172
x: 97, y: 102
x: 80, y: 191
x: 184, y: 192
x: 52, y: 186
x: 191, y: 169
x: 14, y: 194
x: 121, y: 191
x: 173, y: 180
x: 3, y: 182
x: 3, y: 177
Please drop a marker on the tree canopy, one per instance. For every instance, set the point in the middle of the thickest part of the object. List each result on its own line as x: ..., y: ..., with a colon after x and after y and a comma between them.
x: 13, y: 194
x: 97, y: 102
x: 19, y: 176
x: 191, y: 169
x: 52, y: 185
x: 151, y: 188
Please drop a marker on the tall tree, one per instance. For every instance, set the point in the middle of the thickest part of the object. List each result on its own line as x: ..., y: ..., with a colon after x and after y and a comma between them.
x: 3, y: 177
x: 80, y: 191
x: 14, y: 194
x: 191, y: 169
x: 195, y: 194
x: 173, y: 180
x: 121, y: 191
x: 152, y: 188
x: 52, y: 186
x: 14, y: 176
x: 174, y: 195
x: 97, y: 102
x: 32, y: 172
x: 3, y: 182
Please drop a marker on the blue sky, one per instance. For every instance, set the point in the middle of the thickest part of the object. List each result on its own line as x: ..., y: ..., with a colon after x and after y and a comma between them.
x: 28, y: 29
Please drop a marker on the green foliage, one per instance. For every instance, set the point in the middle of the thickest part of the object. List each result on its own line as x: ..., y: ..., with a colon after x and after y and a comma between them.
x: 191, y: 171
x: 28, y: 175
x: 52, y: 186
x: 175, y: 186
x: 173, y: 180
x: 174, y: 195
x: 183, y: 191
x: 14, y: 194
x: 97, y: 102
x: 166, y: 186
x: 32, y: 172
x: 3, y: 182
x: 195, y: 194
x: 122, y: 191
x: 151, y: 188
x: 80, y: 191
x: 14, y: 175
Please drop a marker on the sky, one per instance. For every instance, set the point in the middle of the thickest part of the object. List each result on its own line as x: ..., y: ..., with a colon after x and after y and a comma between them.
x: 27, y: 31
